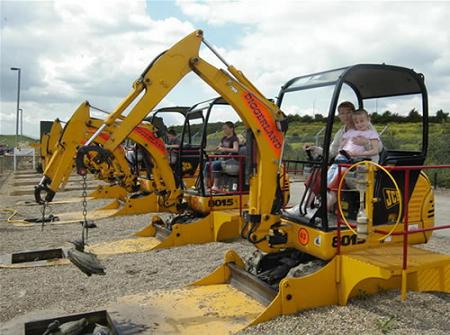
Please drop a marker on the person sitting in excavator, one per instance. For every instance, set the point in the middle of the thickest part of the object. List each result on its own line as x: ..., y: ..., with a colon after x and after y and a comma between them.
x: 345, y: 111
x: 229, y: 145
x: 172, y: 139
x: 348, y: 150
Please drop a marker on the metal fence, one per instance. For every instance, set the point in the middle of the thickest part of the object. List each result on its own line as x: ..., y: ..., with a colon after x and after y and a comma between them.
x: 23, y: 163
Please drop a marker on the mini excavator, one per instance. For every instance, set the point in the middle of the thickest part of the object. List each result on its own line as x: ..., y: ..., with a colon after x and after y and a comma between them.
x: 265, y: 125
x: 309, y: 257
x: 157, y: 194
x: 119, y: 183
x: 265, y: 122
x: 336, y: 256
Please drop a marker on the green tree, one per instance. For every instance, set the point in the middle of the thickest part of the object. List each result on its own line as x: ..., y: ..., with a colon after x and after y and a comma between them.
x: 413, y: 116
x: 318, y: 117
x: 441, y: 116
x: 386, y: 117
x: 375, y: 118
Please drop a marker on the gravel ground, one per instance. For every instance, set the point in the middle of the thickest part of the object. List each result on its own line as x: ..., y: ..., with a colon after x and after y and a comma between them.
x: 31, y: 293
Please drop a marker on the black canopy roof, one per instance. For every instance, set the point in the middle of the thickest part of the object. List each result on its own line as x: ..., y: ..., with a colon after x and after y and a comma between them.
x: 368, y: 80
x: 374, y: 81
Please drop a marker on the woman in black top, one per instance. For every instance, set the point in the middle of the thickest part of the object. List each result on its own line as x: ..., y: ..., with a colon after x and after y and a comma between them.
x: 229, y: 145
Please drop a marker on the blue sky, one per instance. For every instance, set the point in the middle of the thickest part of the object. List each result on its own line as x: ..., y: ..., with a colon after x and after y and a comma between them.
x: 160, y: 10
x: 71, y: 51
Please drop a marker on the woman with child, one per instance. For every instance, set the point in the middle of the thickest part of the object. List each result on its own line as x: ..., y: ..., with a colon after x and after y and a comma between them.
x: 362, y: 129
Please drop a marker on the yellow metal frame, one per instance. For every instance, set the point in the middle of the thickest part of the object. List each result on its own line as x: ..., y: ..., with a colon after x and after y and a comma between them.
x: 49, y: 142
x: 206, y: 204
x: 217, y: 226
x: 79, y: 128
x: 257, y: 113
x: 350, y: 275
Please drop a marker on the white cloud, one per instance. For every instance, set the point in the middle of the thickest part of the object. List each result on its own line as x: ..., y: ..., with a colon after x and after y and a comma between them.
x: 284, y: 39
x: 70, y: 51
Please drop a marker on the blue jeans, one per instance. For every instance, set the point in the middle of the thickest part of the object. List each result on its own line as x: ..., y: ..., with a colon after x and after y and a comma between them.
x: 333, y: 169
x: 216, y: 166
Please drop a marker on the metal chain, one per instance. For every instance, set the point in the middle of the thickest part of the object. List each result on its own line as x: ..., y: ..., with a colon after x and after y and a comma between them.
x: 84, y: 203
x: 44, y: 206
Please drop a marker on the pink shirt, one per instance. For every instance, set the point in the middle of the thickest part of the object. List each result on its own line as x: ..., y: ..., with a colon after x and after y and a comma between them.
x: 370, y: 134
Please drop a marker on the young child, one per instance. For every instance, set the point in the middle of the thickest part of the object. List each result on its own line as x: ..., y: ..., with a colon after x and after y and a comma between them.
x: 362, y: 128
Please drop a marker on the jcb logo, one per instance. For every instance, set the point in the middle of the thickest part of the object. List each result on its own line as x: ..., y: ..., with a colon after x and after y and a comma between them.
x: 391, y: 197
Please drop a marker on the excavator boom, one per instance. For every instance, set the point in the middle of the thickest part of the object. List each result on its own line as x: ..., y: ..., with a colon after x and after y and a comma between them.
x: 261, y: 116
x: 80, y: 127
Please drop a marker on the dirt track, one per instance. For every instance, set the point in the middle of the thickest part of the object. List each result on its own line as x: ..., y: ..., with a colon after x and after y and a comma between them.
x: 27, y: 294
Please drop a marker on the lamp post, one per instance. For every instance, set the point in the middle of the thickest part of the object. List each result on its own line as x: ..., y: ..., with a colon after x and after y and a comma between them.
x: 18, y: 101
x: 21, y: 121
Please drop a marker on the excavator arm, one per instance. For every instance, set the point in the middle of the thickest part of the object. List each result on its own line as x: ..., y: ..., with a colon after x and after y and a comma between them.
x: 262, y: 117
x: 49, y: 142
x: 43, y: 149
x: 54, y: 136
x: 78, y: 130
x: 163, y: 178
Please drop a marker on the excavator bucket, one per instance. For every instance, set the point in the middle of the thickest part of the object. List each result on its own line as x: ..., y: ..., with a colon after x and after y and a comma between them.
x: 230, y: 299
x: 213, y: 309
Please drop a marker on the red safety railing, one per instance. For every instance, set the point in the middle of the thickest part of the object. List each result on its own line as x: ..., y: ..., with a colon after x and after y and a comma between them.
x: 288, y: 162
x: 406, y: 232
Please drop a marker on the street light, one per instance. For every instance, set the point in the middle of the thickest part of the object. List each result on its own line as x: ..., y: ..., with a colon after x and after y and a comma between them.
x: 21, y: 121
x: 18, y: 101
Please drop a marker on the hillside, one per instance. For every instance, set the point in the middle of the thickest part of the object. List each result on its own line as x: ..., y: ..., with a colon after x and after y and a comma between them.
x: 10, y: 140
x: 395, y: 136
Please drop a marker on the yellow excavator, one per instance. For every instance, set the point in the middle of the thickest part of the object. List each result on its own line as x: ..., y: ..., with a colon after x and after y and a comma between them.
x: 115, y: 189
x: 310, y: 257
x: 265, y: 123
x: 158, y: 194
x: 49, y: 141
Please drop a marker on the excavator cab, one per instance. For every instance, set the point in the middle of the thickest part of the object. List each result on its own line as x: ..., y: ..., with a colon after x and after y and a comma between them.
x: 368, y: 86
x: 183, y: 162
x: 208, y: 139
x: 198, y: 143
x: 160, y: 119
